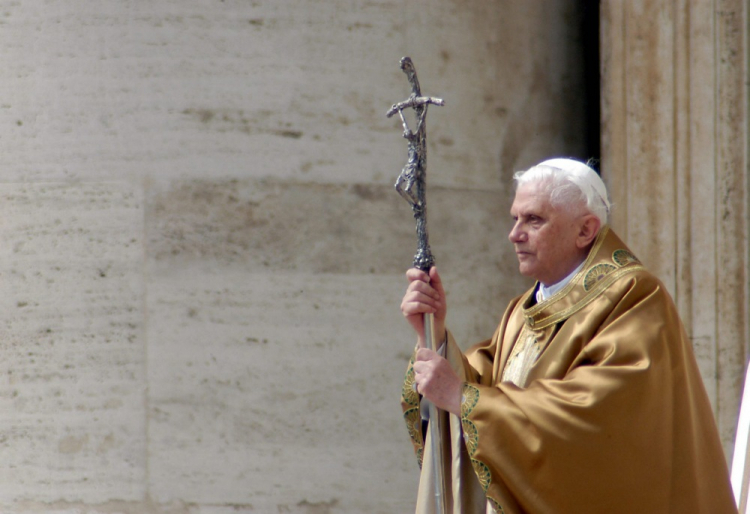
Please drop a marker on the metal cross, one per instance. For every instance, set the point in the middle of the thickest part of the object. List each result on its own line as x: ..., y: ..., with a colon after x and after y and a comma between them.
x: 411, y: 182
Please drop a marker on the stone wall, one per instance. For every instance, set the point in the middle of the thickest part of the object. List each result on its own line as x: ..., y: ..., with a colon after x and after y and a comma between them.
x: 203, y: 255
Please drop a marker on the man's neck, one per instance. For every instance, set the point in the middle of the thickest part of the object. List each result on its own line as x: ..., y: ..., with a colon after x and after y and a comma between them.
x: 546, y: 291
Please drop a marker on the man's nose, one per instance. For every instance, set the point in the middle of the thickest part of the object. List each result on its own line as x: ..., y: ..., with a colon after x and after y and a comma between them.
x: 516, y: 235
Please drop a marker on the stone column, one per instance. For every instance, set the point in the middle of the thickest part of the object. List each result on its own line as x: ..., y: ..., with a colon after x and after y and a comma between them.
x: 674, y: 155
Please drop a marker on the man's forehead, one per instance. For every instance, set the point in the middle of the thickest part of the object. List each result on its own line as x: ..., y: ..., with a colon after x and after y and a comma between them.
x: 531, y: 195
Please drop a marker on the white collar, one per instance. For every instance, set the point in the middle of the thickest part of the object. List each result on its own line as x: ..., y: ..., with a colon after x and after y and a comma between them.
x: 545, y: 292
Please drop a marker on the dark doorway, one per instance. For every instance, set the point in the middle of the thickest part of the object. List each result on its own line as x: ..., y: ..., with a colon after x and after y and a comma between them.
x: 591, y: 79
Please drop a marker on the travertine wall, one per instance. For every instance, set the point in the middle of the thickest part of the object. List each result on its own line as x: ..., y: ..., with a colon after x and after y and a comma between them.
x: 675, y: 156
x: 203, y: 256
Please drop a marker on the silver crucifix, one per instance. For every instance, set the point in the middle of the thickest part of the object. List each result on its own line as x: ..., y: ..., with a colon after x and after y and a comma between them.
x: 411, y: 182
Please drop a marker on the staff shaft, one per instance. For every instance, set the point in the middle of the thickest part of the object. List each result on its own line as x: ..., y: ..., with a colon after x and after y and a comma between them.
x: 434, y: 427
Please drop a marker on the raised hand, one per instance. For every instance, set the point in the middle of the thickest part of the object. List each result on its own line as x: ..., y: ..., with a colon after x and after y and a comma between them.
x: 424, y: 295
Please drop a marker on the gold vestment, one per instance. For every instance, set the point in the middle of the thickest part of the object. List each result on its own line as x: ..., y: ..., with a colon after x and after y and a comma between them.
x: 589, y: 402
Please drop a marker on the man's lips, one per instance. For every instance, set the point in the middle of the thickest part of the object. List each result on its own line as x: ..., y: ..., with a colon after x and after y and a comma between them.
x: 521, y: 254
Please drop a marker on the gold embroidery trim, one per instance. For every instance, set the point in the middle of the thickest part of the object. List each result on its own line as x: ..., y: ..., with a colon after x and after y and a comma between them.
x: 623, y: 257
x: 595, y: 292
x: 414, y: 425
x: 471, y: 436
x: 595, y: 274
x: 469, y: 399
x: 412, y: 416
x: 495, y: 505
x: 483, y: 473
x: 409, y: 395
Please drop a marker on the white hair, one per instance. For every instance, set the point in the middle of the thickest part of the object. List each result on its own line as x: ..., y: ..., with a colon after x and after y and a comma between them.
x: 569, y: 183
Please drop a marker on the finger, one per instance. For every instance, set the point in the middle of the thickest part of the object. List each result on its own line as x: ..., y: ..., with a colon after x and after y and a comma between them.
x: 425, y: 288
x: 410, y: 309
x: 435, y: 281
x: 424, y: 355
x: 420, y: 294
x: 421, y: 373
x: 417, y: 302
x: 420, y: 385
x: 413, y: 274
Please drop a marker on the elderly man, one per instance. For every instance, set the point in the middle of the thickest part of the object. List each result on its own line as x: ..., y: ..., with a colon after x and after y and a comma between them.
x: 587, y: 399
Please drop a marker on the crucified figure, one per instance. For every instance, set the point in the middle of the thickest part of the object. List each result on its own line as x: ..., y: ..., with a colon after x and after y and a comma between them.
x: 411, y: 182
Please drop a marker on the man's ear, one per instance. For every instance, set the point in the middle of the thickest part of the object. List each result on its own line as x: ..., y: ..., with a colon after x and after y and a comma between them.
x: 589, y: 228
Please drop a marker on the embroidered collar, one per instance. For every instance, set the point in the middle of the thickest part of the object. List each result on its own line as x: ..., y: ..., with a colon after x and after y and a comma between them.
x: 545, y: 292
x: 608, y: 260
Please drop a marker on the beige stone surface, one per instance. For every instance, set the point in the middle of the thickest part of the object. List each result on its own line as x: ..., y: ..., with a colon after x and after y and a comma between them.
x: 203, y: 255
x: 72, y: 325
x: 296, y: 371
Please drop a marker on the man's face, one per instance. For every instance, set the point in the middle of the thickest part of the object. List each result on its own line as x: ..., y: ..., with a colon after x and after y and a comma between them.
x: 544, y: 236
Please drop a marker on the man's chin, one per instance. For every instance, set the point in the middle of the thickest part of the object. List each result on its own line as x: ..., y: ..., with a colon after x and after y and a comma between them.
x: 525, y: 270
